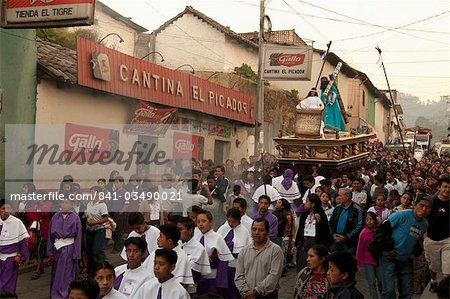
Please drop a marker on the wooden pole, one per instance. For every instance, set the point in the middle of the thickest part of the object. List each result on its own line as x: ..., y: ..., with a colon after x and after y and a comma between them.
x: 323, y: 63
x: 392, y: 100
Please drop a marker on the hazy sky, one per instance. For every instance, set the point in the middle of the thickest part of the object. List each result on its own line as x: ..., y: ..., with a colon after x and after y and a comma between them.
x: 413, y: 35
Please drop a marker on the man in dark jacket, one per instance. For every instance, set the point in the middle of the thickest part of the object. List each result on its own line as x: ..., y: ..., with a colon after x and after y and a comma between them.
x: 345, y: 223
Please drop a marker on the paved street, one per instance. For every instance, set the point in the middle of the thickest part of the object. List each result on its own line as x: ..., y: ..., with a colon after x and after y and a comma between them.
x: 38, y: 289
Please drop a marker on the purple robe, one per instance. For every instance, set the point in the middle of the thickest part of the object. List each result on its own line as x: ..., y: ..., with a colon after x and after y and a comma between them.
x: 231, y: 292
x: 9, y: 272
x: 273, y: 223
x: 65, y: 259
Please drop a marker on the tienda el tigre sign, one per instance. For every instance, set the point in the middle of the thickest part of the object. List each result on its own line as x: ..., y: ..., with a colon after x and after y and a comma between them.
x: 47, y: 13
x: 106, y: 69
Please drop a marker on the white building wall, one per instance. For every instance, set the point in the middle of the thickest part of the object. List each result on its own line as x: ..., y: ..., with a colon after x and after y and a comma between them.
x: 192, y: 41
x: 381, y: 121
x: 105, y: 24
x: 237, y: 54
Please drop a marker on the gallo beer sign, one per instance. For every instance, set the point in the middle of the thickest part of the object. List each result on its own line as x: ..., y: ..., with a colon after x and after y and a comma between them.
x: 287, y: 62
x: 46, y: 13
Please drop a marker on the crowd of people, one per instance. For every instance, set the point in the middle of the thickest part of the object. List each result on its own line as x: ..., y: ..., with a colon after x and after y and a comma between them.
x: 236, y: 230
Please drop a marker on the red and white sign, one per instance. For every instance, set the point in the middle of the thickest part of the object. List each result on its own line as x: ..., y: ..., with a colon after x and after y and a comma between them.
x: 151, y: 121
x: 89, y: 139
x: 136, y: 78
x: 45, y: 13
x: 287, y: 62
x: 185, y: 146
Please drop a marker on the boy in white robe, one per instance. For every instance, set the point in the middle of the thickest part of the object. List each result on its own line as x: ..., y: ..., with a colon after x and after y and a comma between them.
x: 218, y: 252
x: 312, y: 101
x: 241, y: 204
x: 142, y: 230
x: 130, y: 276
x: 104, y: 275
x: 168, y: 239
x: 164, y: 285
x: 198, y: 258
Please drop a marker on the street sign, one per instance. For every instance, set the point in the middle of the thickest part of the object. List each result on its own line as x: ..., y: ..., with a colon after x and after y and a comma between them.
x: 46, y: 13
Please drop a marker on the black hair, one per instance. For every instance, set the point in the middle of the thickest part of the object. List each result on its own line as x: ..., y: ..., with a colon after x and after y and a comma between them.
x: 2, y: 202
x: 379, y: 178
x: 211, y: 177
x: 88, y: 285
x: 135, y: 218
x: 234, y: 213
x: 168, y: 254
x: 443, y: 179
x: 286, y: 205
x: 315, y: 199
x: 326, y: 183
x: 345, y: 262
x: 171, y: 232
x: 104, y: 265
x: 195, y: 209
x: 259, y: 220
x: 394, y: 192
x: 139, y: 242
x: 237, y: 188
x: 321, y: 251
x: 120, y: 179
x: 360, y: 180
x: 96, y: 189
x: 264, y: 197
x: 101, y: 180
x: 222, y: 168
x: 207, y: 213
x: 267, y: 180
x: 309, y: 178
x: 192, y: 185
x: 242, y: 203
x: 187, y: 222
x: 373, y: 216
x: 173, y: 217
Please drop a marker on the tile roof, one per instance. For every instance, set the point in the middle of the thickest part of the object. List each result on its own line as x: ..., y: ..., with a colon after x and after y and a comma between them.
x: 225, y: 30
x: 57, y: 62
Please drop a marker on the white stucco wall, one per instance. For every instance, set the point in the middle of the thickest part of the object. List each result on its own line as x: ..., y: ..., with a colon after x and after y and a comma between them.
x: 105, y: 24
x: 381, y: 120
x: 190, y: 40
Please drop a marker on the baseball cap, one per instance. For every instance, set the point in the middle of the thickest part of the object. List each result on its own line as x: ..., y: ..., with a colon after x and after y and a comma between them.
x: 421, y: 197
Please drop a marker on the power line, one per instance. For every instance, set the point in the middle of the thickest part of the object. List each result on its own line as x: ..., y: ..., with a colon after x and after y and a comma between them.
x: 413, y: 61
x: 372, y: 24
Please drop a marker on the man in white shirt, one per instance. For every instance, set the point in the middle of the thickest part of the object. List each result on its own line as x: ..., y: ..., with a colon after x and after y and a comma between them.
x: 392, y: 183
x: 359, y: 196
x: 310, y: 182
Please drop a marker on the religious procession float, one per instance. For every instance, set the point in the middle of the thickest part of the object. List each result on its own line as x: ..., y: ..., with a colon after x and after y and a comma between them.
x: 320, y: 137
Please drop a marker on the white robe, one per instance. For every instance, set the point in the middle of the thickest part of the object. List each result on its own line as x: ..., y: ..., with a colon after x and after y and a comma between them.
x: 271, y: 192
x: 13, y: 231
x: 289, y: 194
x: 170, y: 289
x: 240, y: 240
x: 151, y: 237
x: 114, y: 294
x: 182, y: 272
x: 132, y: 279
x: 247, y: 222
x: 198, y: 258
x: 311, y: 102
x: 214, y: 241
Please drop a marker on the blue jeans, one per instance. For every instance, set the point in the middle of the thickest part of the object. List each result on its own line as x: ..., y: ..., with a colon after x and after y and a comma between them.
x: 400, y: 270
x: 373, y: 277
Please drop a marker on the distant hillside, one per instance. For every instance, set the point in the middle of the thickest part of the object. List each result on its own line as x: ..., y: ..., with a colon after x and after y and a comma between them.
x: 431, y: 114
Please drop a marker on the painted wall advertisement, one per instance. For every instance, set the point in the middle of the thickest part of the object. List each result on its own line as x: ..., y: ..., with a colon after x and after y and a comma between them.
x: 287, y: 63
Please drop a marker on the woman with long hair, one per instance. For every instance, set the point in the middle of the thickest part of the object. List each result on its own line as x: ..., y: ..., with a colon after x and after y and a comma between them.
x: 313, y: 229
x: 312, y: 282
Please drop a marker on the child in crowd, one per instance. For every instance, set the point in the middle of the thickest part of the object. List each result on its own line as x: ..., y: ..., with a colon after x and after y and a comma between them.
x: 326, y: 205
x: 341, y: 273
x: 105, y: 276
x: 63, y: 248
x: 380, y: 208
x: 86, y: 288
x: 405, y: 202
x: 364, y: 258
x: 164, y: 285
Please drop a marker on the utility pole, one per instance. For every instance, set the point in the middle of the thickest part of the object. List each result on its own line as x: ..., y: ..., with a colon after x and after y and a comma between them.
x: 259, y: 142
x: 392, y: 101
